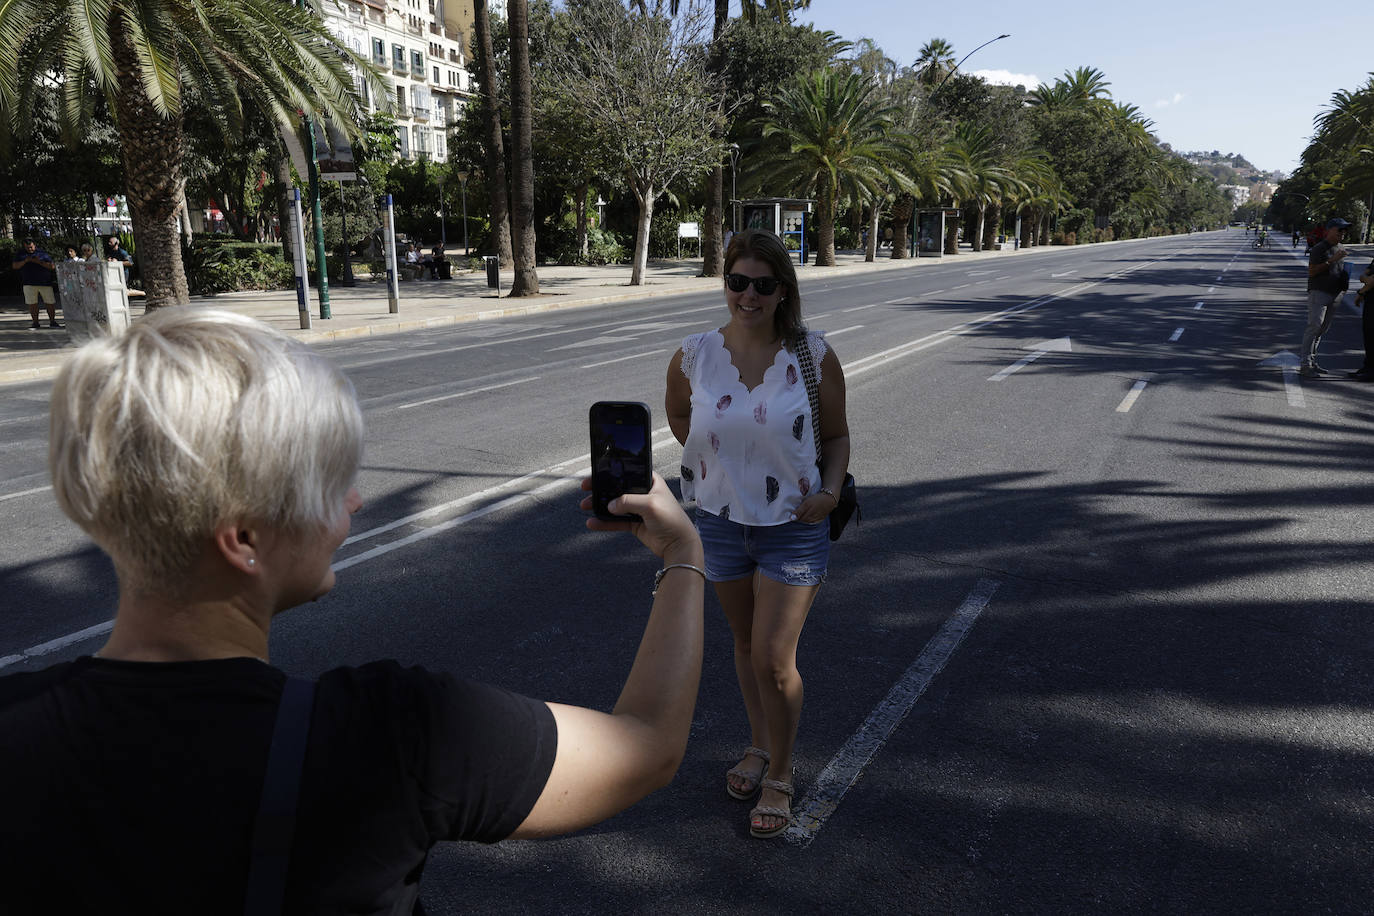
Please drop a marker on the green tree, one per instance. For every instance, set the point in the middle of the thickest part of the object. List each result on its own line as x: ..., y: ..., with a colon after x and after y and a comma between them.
x: 142, y: 57
x: 831, y: 133
x: 935, y: 62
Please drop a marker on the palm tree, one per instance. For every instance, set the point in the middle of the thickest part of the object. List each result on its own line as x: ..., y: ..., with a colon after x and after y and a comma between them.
x: 526, y: 282
x: 493, y: 144
x: 935, y: 61
x: 986, y: 180
x: 144, y: 57
x: 836, y: 137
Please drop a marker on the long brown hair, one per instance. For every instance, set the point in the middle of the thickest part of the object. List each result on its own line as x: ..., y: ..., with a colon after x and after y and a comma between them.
x: 764, y: 246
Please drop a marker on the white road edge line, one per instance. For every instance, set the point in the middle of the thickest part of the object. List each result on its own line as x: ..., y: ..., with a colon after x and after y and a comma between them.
x: 830, y: 334
x: 845, y: 767
x: 1198, y: 307
x: 1178, y: 332
x: 24, y: 493
x: 1129, y: 400
x: 463, y: 394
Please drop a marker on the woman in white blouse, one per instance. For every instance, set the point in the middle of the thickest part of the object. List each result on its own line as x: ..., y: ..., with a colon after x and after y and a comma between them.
x: 737, y: 402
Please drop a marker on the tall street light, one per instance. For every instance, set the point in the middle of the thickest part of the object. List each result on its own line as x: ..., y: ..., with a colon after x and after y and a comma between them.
x: 463, y: 180
x: 966, y: 57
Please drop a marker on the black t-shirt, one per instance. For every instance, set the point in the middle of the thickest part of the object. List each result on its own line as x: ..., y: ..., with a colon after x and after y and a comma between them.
x: 132, y: 787
x: 1327, y: 280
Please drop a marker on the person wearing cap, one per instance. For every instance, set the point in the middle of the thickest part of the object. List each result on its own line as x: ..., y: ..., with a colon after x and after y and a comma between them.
x: 1326, y: 281
x: 1366, y: 372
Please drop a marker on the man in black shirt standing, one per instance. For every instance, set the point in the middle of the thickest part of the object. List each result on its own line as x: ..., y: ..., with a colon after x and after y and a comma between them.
x: 1326, y: 281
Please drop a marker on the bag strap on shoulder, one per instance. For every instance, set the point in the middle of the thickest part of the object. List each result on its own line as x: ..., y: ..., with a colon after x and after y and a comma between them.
x: 813, y: 394
x: 276, y: 821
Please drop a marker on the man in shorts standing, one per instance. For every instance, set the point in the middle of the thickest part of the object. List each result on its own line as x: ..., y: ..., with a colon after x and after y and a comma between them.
x: 36, y: 273
x: 1326, y: 281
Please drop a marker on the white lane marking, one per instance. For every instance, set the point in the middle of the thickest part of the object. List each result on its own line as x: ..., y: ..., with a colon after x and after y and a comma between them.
x: 60, y: 642
x: 463, y: 394
x: 24, y: 493
x: 1293, y: 387
x: 592, y: 342
x: 874, y: 360
x: 819, y: 317
x: 830, y: 334
x: 1129, y: 400
x: 960, y: 286
x: 1067, y: 273
x: 1178, y: 332
x: 1061, y: 345
x: 844, y: 769
x: 1198, y: 307
x: 860, y: 308
x: 31, y: 419
x: 623, y: 359
x: 1211, y: 289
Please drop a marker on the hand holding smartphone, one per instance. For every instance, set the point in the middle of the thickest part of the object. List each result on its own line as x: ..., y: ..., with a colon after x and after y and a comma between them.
x: 621, y: 458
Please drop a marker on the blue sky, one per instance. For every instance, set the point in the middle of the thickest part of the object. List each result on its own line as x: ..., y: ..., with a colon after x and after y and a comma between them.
x: 1242, y: 77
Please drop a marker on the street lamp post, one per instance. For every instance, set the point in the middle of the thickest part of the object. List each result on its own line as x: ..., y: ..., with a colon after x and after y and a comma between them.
x: 964, y: 58
x: 443, y: 222
x: 734, y: 203
x: 600, y: 213
x: 347, y: 278
x: 463, y: 180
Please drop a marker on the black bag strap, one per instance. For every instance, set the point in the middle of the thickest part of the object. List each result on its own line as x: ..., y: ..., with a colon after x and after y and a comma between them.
x: 276, y: 821
x: 813, y: 393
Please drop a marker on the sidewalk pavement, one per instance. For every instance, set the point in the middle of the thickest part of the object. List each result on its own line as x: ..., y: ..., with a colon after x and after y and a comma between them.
x: 361, y: 310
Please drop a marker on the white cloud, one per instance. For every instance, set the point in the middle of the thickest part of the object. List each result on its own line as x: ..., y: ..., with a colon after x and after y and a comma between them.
x: 1007, y: 78
x: 1165, y: 103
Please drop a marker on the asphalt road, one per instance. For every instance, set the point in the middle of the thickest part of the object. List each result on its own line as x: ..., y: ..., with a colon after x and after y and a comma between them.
x: 1100, y: 642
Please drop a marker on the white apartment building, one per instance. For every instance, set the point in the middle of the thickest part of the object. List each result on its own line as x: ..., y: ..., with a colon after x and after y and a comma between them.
x: 422, y: 45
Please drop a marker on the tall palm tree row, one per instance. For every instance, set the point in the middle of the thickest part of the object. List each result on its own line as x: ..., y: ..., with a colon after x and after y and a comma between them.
x: 145, y: 58
x: 829, y: 134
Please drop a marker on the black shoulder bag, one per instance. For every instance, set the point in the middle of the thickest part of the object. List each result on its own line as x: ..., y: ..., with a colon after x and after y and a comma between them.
x: 276, y: 821
x: 847, y: 503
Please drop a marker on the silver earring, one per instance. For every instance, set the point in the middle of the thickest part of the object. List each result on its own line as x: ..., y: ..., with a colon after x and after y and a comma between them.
x: 251, y: 561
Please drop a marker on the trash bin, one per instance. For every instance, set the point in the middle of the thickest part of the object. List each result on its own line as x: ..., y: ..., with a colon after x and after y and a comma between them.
x: 493, y: 271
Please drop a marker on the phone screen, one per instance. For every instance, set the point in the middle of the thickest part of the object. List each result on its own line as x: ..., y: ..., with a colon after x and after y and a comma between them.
x: 621, y: 461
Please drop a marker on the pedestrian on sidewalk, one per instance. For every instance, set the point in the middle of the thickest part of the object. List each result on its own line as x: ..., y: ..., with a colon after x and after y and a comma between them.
x: 737, y: 401
x: 213, y: 458
x: 36, y: 275
x: 1327, y: 280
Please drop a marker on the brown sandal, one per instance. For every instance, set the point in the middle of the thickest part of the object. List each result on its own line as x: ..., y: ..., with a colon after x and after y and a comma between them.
x: 753, y: 780
x: 776, y: 785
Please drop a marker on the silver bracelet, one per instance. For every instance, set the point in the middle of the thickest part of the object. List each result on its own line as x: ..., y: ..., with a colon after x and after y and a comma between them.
x: 658, y: 576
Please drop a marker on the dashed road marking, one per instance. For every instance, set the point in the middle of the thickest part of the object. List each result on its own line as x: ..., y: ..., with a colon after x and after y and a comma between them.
x: 1129, y: 400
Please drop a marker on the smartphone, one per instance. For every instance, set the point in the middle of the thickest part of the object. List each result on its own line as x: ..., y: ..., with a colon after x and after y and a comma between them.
x: 621, y: 461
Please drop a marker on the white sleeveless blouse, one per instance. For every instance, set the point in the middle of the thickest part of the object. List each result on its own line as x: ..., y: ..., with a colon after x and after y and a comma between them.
x: 750, y: 456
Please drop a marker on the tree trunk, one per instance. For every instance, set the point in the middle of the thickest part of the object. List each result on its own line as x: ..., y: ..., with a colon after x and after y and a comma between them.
x: 152, y: 151
x: 874, y: 219
x: 1044, y: 234
x: 712, y: 235
x: 484, y: 62
x: 994, y: 225
x: 712, y: 230
x: 282, y: 169
x: 645, y: 197
x: 825, y: 226
x: 977, y: 241
x: 952, y: 234
x: 522, y: 122
x: 580, y: 201
x: 902, y: 209
x: 1028, y: 229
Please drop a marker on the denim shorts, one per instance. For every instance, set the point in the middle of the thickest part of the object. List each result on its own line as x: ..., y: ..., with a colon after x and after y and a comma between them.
x: 793, y: 553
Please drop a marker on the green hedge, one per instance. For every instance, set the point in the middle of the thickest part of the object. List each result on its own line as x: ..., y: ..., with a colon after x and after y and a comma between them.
x: 215, y: 264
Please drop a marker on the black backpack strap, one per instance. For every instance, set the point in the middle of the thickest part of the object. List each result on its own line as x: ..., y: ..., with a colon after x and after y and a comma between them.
x: 276, y: 820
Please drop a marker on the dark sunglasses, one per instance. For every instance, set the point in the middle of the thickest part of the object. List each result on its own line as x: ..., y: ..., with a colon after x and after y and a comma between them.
x: 764, y: 286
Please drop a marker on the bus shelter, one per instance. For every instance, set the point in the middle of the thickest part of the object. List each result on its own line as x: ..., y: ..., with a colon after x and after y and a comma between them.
x: 785, y: 217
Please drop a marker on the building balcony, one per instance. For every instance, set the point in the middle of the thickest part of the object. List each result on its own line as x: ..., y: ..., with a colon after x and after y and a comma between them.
x: 415, y: 28
x: 417, y: 72
x: 419, y: 113
x: 399, y: 66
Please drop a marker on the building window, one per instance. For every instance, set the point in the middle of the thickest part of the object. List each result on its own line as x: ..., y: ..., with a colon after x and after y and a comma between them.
x: 417, y: 64
x: 401, y: 100
x: 379, y: 52
x: 436, y: 75
x: 398, y: 58
x: 403, y: 141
